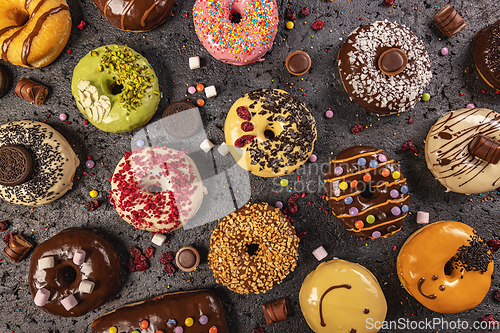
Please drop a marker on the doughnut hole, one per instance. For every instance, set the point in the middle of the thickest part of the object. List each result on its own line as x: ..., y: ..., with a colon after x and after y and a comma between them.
x: 18, y: 15
x: 252, y: 249
x: 448, y: 267
x: 66, y: 276
x: 270, y: 133
x: 115, y: 88
x: 235, y: 17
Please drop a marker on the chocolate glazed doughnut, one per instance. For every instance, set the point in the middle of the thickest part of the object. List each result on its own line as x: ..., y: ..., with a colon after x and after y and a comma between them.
x: 135, y: 15
x: 486, y: 51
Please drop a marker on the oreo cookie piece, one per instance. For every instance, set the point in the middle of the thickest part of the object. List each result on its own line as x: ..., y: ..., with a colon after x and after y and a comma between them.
x: 16, y: 165
x: 181, y: 119
x: 4, y: 81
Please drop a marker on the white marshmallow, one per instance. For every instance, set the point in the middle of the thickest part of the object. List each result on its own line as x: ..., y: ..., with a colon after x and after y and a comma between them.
x: 45, y: 263
x: 206, y: 145
x: 79, y: 257
x: 320, y: 253
x: 86, y: 286
x: 69, y: 302
x: 42, y: 297
x: 223, y: 149
x: 210, y: 91
x: 422, y: 217
x: 194, y: 62
x: 159, y: 239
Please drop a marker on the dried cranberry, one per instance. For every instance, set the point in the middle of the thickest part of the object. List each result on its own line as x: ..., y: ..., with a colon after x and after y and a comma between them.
x: 290, y: 14
x: 91, y: 205
x: 4, y: 225
x: 8, y: 238
x: 149, y: 252
x: 246, y: 126
x: 258, y: 330
x: 142, y: 266
x: 409, y: 145
x: 291, y: 208
x: 134, y: 252
x: 302, y: 234
x: 82, y: 25
x: 244, y: 140
x: 130, y: 266
x: 388, y: 3
x: 489, y: 318
x: 169, y: 269
x: 497, y: 295
x: 243, y: 113
x: 305, y: 11
x: 140, y: 259
x: 357, y: 129
x: 166, y: 258
x: 294, y: 197
x: 318, y: 25
x: 494, y: 245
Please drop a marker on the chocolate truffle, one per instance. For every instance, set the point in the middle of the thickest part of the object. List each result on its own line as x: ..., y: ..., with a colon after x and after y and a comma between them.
x: 31, y: 91
x: 17, y: 248
x: 449, y: 21
x: 298, y: 62
x: 16, y: 165
x: 187, y: 258
x: 392, y: 61
x: 276, y: 311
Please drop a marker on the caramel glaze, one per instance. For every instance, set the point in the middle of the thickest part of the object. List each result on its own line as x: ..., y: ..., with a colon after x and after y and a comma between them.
x: 105, y: 270
x: 36, y: 30
x: 135, y: 15
x: 379, y: 204
x: 157, y: 311
x: 486, y: 52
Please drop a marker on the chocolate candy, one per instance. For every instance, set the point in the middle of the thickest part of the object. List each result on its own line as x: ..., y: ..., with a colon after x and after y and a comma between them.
x: 17, y: 248
x: 392, y: 61
x: 276, y: 311
x: 16, y: 165
x: 187, y: 258
x: 4, y: 81
x: 181, y: 119
x: 298, y: 62
x: 31, y: 91
x: 449, y: 21
x: 485, y: 148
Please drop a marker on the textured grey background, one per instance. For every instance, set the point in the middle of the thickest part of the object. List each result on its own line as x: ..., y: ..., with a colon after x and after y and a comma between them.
x: 168, y: 49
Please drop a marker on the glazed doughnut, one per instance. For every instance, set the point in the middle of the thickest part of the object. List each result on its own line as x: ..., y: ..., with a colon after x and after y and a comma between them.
x: 164, y: 314
x: 37, y: 164
x: 449, y: 156
x: 446, y: 266
x: 115, y: 88
x: 384, y: 83
x: 135, y: 15
x: 156, y: 189
x: 236, y: 32
x: 75, y: 266
x: 253, y: 249
x: 341, y: 296
x: 367, y: 192
x: 33, y: 32
x: 486, y: 51
x: 270, y: 133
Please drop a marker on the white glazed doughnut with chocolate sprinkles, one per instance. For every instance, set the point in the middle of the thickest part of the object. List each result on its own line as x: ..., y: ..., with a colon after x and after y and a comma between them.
x: 462, y: 150
x: 395, y: 83
x: 40, y: 166
x: 270, y: 133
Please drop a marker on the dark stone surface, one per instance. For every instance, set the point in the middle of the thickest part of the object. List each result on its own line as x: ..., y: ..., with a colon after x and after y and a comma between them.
x: 168, y: 49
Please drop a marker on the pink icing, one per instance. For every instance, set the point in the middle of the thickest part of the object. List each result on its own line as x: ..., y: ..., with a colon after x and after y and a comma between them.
x: 236, y: 43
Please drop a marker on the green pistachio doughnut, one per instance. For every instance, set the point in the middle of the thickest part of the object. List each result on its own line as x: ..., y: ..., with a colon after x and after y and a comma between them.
x: 115, y: 88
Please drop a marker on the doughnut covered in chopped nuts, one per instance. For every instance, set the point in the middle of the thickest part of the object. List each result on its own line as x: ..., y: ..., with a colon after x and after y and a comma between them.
x: 253, y: 249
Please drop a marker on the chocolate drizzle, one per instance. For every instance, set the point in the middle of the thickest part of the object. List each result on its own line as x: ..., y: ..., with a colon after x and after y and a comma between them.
x: 347, y: 286
x: 420, y: 283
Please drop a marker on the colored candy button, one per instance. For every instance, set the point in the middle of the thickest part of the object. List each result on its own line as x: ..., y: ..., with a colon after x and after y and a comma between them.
x: 191, y: 90
x: 386, y: 173
x: 144, y: 324
x: 329, y: 114
x: 373, y: 164
x: 367, y: 177
x: 353, y: 211
x: 396, y: 211
x: 376, y: 234
x: 343, y: 186
x: 313, y: 158
x: 361, y: 161
x: 213, y: 329
x: 93, y: 194
x: 179, y: 329
x: 289, y: 25
x: 354, y: 183
x: 405, y: 209
x: 278, y: 204
x: 171, y: 323
x: 338, y: 170
x: 426, y: 97
x: 370, y: 219
x: 396, y: 175
x: 284, y: 182
x: 189, y: 322
x: 359, y: 224
x: 404, y: 189
x: 203, y: 320
x: 382, y: 158
x: 113, y: 330
x: 348, y: 200
x: 394, y: 194
x: 90, y: 164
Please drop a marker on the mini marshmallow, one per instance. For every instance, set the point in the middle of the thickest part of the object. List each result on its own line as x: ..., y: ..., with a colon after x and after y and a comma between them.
x: 210, y: 91
x: 42, y: 297
x: 45, y: 263
x: 159, y: 239
x: 320, y: 253
x: 422, y: 217
x: 86, y: 286
x: 69, y: 302
x: 206, y: 145
x: 223, y: 149
x: 79, y: 257
x: 194, y: 62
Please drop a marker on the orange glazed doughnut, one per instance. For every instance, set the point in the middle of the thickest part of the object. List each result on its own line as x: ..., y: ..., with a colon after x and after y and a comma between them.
x: 446, y: 266
x: 33, y: 32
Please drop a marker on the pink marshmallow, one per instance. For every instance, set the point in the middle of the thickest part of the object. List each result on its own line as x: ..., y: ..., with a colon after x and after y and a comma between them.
x: 422, y: 217
x: 69, y: 302
x: 79, y: 257
x: 320, y: 253
x: 42, y: 297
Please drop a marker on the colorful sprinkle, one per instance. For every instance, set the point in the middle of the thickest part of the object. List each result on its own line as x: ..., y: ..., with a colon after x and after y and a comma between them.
x: 426, y: 97
x: 329, y: 114
x: 90, y: 164
x: 382, y: 158
x: 348, y: 200
x: 343, y: 186
x: 313, y: 158
x: 370, y: 219
x: 361, y: 161
x: 63, y: 116
x: 444, y: 51
x: 359, y: 224
x: 353, y: 211
x: 394, y: 194
x: 470, y: 106
x: 395, y: 211
x: 284, y: 182
x: 338, y: 170
x: 376, y: 234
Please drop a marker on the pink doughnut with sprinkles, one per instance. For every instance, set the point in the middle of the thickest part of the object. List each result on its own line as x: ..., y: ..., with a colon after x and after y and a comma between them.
x: 237, y: 32
x: 156, y: 189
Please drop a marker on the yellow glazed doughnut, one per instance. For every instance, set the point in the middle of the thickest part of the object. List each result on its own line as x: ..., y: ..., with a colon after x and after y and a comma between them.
x: 450, y: 158
x: 341, y: 296
x: 446, y: 266
x: 270, y: 133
